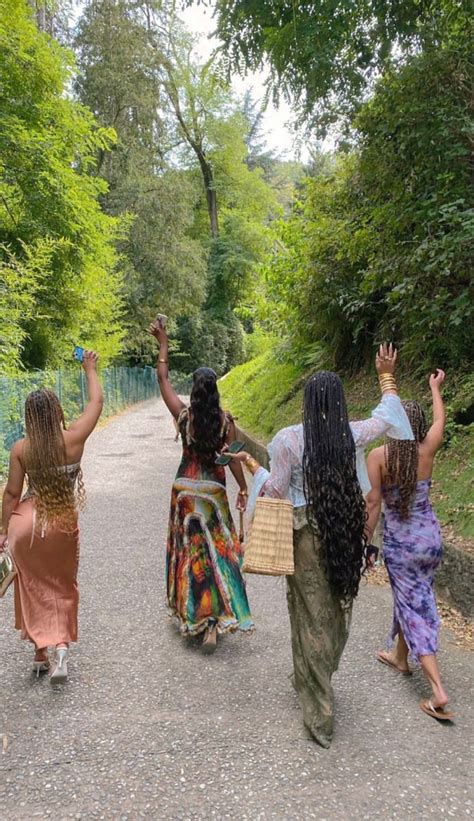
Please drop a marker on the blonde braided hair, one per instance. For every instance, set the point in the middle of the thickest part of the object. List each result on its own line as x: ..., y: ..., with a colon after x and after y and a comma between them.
x: 57, y: 498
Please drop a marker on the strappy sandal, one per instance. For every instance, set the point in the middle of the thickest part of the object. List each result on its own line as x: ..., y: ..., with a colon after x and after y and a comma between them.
x: 384, y: 660
x: 41, y: 666
x: 41, y: 661
x: 435, y: 712
x: 59, y: 673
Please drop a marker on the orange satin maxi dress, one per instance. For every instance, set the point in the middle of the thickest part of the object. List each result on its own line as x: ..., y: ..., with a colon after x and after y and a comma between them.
x: 46, y: 590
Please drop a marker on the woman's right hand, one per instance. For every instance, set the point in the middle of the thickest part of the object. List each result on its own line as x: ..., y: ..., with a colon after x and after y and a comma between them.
x: 3, y: 541
x: 89, y: 363
x: 437, y: 378
x: 385, y: 359
x: 156, y: 329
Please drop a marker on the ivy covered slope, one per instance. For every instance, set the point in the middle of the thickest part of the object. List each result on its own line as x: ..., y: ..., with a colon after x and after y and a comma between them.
x: 266, y: 394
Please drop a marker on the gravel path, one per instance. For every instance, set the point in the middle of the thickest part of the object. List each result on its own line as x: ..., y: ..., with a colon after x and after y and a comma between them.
x: 149, y: 728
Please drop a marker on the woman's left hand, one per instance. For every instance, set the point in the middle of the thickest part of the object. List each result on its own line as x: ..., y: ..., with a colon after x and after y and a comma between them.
x: 386, y: 359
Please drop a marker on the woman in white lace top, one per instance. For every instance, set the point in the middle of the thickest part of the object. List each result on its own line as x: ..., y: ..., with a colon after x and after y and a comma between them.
x: 319, y: 465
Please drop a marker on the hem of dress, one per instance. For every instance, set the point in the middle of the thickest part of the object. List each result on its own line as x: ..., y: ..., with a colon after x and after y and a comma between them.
x: 413, y: 655
x: 224, y: 625
x: 24, y: 636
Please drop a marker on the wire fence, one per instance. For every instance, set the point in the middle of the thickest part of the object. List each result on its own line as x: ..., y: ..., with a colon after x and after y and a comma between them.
x: 122, y: 387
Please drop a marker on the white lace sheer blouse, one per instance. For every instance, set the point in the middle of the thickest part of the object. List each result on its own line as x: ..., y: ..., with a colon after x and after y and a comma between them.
x: 285, y: 478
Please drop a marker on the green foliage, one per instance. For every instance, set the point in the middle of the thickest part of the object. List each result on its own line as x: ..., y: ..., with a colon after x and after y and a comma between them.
x: 258, y: 391
x: 453, y: 484
x: 181, y: 138
x: 381, y: 245
x: 51, y: 224
x: 121, y: 386
x: 211, y: 338
x: 325, y: 56
x: 266, y: 394
x: 121, y: 80
x: 19, y: 282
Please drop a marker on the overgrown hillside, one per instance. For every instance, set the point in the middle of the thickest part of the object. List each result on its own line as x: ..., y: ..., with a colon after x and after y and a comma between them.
x: 266, y: 394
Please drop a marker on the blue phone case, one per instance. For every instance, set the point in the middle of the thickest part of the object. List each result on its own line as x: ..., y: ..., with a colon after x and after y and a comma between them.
x: 78, y: 353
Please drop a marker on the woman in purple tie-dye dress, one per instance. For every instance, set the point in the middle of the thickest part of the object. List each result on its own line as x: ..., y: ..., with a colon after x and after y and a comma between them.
x: 400, y: 474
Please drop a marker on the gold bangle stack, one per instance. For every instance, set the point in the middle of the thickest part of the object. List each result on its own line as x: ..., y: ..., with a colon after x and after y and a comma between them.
x: 251, y: 464
x: 165, y: 361
x: 243, y: 493
x: 387, y: 382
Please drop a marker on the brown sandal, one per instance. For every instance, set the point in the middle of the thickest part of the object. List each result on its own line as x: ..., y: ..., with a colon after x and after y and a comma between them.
x: 435, y: 712
x: 384, y: 660
x: 209, y: 642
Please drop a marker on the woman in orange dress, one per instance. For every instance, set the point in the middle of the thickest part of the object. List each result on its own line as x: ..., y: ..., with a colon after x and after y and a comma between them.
x: 41, y: 525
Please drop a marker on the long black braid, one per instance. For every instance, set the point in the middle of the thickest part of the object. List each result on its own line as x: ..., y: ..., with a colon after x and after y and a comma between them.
x: 401, y: 459
x: 335, y: 504
x: 206, y: 416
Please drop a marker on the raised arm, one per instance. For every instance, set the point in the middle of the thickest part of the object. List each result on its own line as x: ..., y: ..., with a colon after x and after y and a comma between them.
x: 434, y: 437
x: 79, y: 430
x: 170, y: 397
x: 13, y: 489
x: 389, y: 416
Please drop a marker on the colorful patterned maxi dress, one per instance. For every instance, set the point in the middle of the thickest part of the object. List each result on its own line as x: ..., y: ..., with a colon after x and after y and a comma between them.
x: 204, y: 556
x: 412, y: 550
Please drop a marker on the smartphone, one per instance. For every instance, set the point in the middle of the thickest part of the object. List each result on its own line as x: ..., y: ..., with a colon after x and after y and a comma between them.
x: 162, y: 319
x: 234, y: 447
x: 78, y: 353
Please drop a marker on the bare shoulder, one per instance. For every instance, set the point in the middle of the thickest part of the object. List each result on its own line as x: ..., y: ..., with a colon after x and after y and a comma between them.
x: 376, y: 456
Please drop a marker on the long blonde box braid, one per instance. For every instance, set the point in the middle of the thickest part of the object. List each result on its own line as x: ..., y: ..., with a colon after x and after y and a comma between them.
x: 57, y: 501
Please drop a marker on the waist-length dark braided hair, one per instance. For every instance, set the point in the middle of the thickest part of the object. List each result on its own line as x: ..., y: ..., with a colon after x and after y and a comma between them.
x: 335, y: 505
x: 206, y: 416
x: 401, y: 460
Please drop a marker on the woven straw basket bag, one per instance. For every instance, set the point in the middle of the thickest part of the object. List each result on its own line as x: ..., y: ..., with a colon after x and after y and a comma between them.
x: 269, y: 547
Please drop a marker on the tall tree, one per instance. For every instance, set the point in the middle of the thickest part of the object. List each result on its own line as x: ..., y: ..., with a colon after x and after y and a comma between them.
x: 120, y: 80
x: 52, y: 229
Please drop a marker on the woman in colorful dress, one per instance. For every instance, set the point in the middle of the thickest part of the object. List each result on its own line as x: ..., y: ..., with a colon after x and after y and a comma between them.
x: 400, y: 474
x: 205, y: 586
x: 319, y: 465
x: 41, y: 526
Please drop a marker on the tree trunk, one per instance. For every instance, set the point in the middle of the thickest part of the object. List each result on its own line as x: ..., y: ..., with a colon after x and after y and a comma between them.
x: 211, y: 195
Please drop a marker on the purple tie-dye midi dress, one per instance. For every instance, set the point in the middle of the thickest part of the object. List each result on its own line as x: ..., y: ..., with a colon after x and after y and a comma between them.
x: 412, y: 553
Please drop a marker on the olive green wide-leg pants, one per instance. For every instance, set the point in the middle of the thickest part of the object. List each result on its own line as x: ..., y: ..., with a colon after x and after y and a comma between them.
x: 319, y: 630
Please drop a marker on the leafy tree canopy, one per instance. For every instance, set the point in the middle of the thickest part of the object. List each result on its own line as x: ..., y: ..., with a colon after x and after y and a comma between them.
x: 52, y: 229
x: 324, y: 56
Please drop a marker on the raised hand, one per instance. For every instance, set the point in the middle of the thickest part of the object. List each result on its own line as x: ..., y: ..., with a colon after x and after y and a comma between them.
x: 156, y: 329
x: 437, y: 378
x: 386, y: 358
x: 89, y: 363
